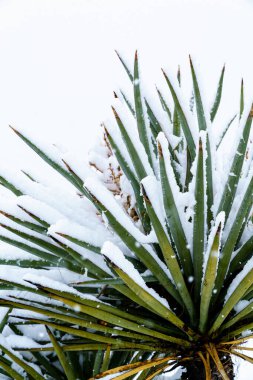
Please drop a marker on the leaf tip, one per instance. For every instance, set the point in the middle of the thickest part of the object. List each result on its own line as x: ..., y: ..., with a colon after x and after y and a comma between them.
x: 159, y: 148
x: 200, y: 145
x: 251, y: 111
x: 115, y: 113
x: 14, y: 130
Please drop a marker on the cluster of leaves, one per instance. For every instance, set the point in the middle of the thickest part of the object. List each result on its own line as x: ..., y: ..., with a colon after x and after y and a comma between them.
x: 179, y: 300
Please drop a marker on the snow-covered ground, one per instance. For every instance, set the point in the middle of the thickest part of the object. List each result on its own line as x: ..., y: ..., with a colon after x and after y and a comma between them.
x: 58, y: 67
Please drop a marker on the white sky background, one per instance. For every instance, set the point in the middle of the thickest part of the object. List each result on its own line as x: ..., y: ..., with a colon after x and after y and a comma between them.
x: 58, y: 67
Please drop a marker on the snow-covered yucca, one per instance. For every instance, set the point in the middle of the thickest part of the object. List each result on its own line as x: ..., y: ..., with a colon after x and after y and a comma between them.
x: 142, y: 263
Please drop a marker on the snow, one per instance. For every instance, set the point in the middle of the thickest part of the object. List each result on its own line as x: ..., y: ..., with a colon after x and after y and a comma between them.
x: 47, y: 200
x: 237, y: 280
x: 8, y: 252
x: 153, y: 191
x: 241, y: 305
x: 50, y: 150
x: 107, y: 199
x: 93, y: 237
x: 52, y: 284
x: 40, y: 209
x: 220, y: 220
x: 9, y: 206
x: 13, y: 275
x: 225, y: 156
x: 4, y: 343
x: 76, y: 164
x: 3, y: 311
x: 15, y: 341
x: 99, y: 161
x: 241, y: 190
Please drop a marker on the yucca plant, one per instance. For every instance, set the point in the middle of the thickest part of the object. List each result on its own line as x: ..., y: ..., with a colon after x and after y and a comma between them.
x: 142, y: 264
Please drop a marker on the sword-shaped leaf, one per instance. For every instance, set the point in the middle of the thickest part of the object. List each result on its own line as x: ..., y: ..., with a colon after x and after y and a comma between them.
x: 155, y: 125
x: 10, y: 371
x: 130, y: 75
x: 76, y: 320
x: 232, y: 236
x: 164, y: 104
x: 56, y: 261
x: 243, y: 254
x: 20, y: 362
x: 236, y: 291
x: 225, y: 131
x: 8, y: 185
x: 27, y: 263
x: 106, y: 359
x: 137, y: 162
x: 236, y: 168
x: 97, y: 309
x: 218, y: 95
x: 239, y: 316
x: 142, y: 213
x: 134, y: 281
x: 199, y: 219
x: 127, y: 101
x: 203, y: 127
x: 183, y: 120
x: 5, y: 319
x: 124, y: 229
x: 150, y: 191
x: 79, y: 242
x: 65, y: 173
x: 210, y: 271
x: 65, y: 363
x: 139, y: 111
x: 25, y: 223
x: 242, y: 99
x: 171, y: 209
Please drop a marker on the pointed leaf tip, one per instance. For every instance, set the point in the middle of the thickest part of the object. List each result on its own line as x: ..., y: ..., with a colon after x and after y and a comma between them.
x: 110, y: 262
x: 219, y: 229
x: 14, y: 130
x: 200, y: 145
x: 61, y: 234
x: 145, y: 195
x: 136, y: 55
x: 67, y: 165
x: 164, y: 73
x: 159, y: 148
x: 115, y: 113
x: 251, y: 111
x: 106, y: 131
x: 4, y: 213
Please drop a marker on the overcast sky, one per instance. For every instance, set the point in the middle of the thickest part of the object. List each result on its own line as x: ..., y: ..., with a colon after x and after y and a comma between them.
x: 58, y: 67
